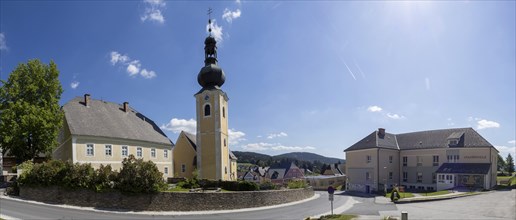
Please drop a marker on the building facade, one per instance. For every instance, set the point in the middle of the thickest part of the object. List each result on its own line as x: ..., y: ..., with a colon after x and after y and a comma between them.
x: 425, y: 160
x: 100, y: 132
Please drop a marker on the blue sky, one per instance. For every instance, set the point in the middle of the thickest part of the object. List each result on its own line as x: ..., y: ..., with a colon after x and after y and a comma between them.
x: 300, y: 75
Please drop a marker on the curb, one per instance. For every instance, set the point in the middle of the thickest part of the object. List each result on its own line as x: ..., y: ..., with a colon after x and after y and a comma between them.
x: 436, y: 198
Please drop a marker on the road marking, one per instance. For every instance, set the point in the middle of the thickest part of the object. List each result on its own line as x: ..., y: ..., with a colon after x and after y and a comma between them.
x: 6, y: 217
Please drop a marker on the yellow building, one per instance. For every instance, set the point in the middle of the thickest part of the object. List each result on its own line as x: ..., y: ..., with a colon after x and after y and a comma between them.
x: 212, y: 154
x: 100, y: 132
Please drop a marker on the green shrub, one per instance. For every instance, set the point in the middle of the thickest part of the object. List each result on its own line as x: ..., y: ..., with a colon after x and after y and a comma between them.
x: 247, y: 186
x: 104, y: 178
x: 296, y: 184
x: 268, y: 185
x: 137, y: 176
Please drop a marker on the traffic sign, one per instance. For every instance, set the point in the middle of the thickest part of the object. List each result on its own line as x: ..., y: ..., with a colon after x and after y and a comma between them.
x: 331, y: 190
x: 331, y: 197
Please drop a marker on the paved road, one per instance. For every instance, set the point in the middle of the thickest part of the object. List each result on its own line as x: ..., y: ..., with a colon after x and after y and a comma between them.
x: 492, y: 205
x: 313, y: 207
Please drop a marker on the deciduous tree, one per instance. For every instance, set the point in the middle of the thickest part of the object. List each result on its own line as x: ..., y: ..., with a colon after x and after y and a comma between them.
x: 29, y: 110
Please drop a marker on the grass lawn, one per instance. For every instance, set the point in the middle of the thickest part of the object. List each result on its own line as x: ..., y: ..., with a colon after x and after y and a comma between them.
x: 442, y: 192
x: 402, y: 195
x: 502, y: 178
x: 338, y: 217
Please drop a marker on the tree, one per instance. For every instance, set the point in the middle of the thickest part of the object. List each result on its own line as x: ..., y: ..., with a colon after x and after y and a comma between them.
x: 500, y: 164
x: 29, y: 110
x: 509, y: 164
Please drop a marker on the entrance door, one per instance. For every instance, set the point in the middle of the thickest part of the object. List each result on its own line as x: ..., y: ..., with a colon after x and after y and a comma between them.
x: 367, y: 189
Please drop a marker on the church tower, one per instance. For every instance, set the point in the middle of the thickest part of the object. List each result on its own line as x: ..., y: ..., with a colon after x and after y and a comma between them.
x: 213, y: 157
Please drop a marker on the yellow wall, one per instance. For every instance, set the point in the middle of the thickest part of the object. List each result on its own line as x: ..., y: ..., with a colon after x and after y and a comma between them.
x: 184, y: 153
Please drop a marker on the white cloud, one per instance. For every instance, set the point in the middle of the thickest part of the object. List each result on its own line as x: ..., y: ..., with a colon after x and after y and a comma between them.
x: 374, y: 108
x: 3, y: 42
x: 148, y: 74
x: 153, y: 11
x: 427, y: 83
x: 395, y: 116
x: 238, y: 2
x: 504, y: 151
x: 483, y: 124
x: 275, y: 135
x: 235, y: 137
x: 513, y: 142
x: 133, y: 67
x: 74, y: 84
x: 229, y: 15
x: 177, y: 125
x: 216, y: 30
x: 275, y: 147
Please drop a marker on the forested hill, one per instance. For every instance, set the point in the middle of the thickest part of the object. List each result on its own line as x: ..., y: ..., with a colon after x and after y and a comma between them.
x: 267, y: 160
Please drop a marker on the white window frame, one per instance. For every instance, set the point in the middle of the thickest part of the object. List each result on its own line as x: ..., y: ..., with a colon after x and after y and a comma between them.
x: 183, y: 168
x: 153, y: 152
x: 108, y: 150
x: 126, y: 151
x: 405, y: 176
x: 92, y: 150
x: 165, y: 153
x: 368, y: 177
x: 390, y: 175
x: 165, y: 170
x: 390, y: 158
x: 405, y: 161
x: 435, y: 160
x: 368, y: 158
x: 418, y: 175
x: 139, y: 152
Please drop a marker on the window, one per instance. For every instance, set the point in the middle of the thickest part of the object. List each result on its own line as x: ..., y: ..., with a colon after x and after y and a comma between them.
x: 223, y: 112
x: 453, y: 142
x: 435, y: 161
x: 419, y: 161
x: 89, y: 150
x: 405, y: 176
x: 108, y: 150
x: 405, y: 159
x: 165, y: 170
x: 419, y: 177
x: 124, y: 151
x: 183, y: 168
x: 368, y: 158
x: 224, y: 142
x: 434, y: 179
x: 153, y: 152
x: 226, y: 170
x: 390, y: 159
x: 367, y: 177
x: 390, y: 175
x: 207, y: 110
x: 139, y: 152
x: 165, y: 153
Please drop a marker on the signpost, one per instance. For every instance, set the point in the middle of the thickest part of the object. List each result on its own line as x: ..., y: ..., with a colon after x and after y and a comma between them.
x: 331, y: 190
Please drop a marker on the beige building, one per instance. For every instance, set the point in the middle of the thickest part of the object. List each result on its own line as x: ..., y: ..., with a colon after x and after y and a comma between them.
x: 425, y: 160
x: 100, y: 132
x: 211, y: 146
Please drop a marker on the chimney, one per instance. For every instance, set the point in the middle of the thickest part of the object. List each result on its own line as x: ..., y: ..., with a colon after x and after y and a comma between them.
x: 126, y: 106
x: 381, y: 132
x: 87, y: 99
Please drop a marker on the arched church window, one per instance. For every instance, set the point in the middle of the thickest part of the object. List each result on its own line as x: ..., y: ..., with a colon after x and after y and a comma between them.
x: 226, y: 170
x: 223, y: 112
x: 207, y: 110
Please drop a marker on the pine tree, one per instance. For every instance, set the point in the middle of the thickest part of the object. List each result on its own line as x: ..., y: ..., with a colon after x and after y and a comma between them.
x: 500, y: 164
x: 29, y: 110
x: 509, y: 164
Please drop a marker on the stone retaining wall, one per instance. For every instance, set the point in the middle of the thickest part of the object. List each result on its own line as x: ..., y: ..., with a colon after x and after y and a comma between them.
x: 165, y: 201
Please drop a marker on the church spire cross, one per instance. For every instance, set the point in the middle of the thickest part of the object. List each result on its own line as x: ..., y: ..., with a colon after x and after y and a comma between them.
x: 209, y: 19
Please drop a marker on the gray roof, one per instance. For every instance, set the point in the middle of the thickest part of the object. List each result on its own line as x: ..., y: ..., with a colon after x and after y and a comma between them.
x: 464, y: 168
x: 422, y: 140
x: 107, y: 119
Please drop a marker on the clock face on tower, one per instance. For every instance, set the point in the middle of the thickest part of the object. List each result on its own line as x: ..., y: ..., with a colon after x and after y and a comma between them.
x: 206, y: 97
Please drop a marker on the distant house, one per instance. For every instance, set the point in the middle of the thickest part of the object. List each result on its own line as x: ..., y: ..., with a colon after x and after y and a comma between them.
x: 255, y: 174
x: 284, y: 172
x: 185, y: 157
x: 100, y: 132
x: 333, y: 170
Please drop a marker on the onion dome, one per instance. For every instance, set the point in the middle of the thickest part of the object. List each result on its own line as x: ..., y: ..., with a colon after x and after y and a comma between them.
x: 211, y: 74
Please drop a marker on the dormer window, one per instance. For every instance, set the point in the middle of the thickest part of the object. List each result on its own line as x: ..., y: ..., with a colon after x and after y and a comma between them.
x: 453, y: 142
